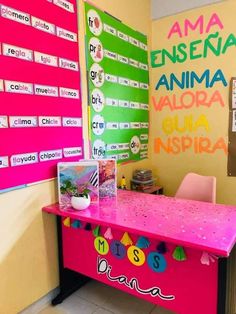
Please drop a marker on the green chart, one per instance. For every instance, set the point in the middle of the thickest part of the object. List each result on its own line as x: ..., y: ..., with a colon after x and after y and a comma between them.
x: 118, y: 83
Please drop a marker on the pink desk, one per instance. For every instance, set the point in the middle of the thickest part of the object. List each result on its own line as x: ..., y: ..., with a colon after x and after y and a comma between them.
x: 122, y: 246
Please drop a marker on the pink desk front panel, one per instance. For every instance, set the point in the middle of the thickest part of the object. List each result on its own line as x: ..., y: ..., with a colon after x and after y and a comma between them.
x: 186, y: 287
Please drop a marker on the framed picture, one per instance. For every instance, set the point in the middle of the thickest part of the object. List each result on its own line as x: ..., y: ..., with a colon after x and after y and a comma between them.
x: 76, y: 178
x: 107, y: 178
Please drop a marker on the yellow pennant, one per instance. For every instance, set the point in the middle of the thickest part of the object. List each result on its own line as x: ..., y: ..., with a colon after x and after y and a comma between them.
x: 66, y: 222
x: 126, y: 240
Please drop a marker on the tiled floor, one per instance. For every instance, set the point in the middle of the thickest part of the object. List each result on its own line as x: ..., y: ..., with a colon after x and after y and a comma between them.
x: 97, y: 298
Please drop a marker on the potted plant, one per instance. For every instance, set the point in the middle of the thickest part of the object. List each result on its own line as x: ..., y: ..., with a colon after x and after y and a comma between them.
x: 79, y: 195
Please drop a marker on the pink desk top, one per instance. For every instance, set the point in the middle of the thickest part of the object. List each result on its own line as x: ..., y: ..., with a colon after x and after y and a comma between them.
x: 199, y: 225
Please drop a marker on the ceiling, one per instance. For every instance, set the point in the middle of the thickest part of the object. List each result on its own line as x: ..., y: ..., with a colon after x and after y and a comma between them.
x: 161, y: 8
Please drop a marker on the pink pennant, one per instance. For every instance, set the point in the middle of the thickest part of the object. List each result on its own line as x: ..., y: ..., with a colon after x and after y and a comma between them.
x: 207, y: 258
x: 108, y: 234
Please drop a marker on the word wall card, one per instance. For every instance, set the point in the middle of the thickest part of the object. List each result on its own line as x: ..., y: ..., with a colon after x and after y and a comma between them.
x: 40, y: 113
x: 117, y: 63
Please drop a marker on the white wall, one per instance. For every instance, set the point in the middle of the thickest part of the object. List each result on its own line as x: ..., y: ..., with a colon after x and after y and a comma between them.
x: 161, y: 8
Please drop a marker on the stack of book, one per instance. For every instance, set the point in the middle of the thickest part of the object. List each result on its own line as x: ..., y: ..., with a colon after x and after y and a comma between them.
x: 142, y: 175
x: 142, y: 180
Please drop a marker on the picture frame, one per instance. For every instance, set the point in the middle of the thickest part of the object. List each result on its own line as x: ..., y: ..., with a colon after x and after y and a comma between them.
x: 76, y: 178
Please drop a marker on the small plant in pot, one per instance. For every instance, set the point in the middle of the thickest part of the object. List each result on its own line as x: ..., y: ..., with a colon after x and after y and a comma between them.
x: 79, y: 195
x: 80, y: 201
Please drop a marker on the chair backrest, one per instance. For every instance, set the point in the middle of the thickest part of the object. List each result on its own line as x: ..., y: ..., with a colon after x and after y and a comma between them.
x: 198, y: 188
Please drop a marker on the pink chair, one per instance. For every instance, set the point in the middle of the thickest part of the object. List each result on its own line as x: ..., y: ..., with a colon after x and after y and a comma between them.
x: 198, y: 188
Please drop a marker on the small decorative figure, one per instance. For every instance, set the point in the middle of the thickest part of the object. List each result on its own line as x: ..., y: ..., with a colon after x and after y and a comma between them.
x: 123, y: 183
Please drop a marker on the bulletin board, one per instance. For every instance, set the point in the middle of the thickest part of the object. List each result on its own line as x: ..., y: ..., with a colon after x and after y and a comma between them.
x: 118, y: 83
x: 40, y: 115
x: 232, y: 129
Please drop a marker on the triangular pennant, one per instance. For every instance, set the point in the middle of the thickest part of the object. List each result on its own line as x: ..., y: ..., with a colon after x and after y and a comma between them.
x: 88, y: 227
x: 76, y: 224
x: 161, y: 248
x: 108, y: 234
x: 142, y: 243
x: 206, y: 258
x: 126, y: 240
x: 66, y: 222
x: 213, y: 258
x: 96, y: 231
x: 179, y: 254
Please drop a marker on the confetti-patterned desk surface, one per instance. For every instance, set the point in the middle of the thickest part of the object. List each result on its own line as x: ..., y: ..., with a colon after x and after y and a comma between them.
x: 199, y: 225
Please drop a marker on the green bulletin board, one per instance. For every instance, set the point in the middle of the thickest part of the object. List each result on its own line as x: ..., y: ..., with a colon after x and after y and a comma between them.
x: 117, y: 65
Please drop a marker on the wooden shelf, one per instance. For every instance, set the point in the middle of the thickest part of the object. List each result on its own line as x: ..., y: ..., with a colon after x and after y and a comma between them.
x: 153, y: 189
